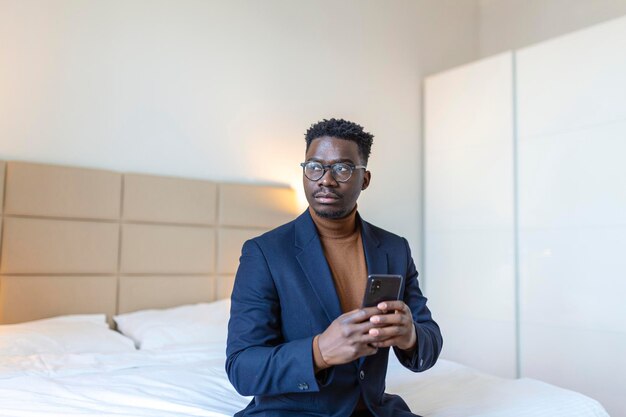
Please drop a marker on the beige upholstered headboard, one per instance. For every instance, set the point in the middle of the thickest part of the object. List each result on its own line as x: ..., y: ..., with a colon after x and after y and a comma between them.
x: 76, y: 240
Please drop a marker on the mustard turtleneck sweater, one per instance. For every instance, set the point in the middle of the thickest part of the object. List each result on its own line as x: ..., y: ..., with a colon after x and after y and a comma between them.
x: 343, y: 248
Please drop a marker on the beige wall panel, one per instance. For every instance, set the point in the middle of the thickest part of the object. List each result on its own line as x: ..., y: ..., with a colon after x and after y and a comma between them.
x: 167, y: 249
x: 3, y: 166
x: 25, y: 298
x: 224, y: 286
x: 170, y: 200
x: 229, y: 245
x: 58, y: 246
x: 57, y: 191
x: 256, y: 206
x: 143, y: 292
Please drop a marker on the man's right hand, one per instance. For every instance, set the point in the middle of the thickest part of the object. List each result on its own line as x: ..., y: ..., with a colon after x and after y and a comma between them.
x: 347, y: 338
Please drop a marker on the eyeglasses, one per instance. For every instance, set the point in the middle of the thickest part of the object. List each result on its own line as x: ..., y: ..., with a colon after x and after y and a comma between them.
x: 340, y: 171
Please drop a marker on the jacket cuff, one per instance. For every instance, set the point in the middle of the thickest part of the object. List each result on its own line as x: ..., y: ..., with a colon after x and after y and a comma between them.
x: 411, y: 359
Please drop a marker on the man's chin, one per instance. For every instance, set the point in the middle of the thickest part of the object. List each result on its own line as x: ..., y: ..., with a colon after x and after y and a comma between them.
x: 331, y: 214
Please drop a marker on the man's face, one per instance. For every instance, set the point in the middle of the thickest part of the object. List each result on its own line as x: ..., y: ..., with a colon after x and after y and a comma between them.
x: 328, y: 197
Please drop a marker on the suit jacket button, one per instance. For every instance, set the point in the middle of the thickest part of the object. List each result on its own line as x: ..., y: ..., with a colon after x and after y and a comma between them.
x: 362, y: 375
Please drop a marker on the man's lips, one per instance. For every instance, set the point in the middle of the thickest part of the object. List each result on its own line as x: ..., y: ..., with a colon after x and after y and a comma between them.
x: 326, y: 198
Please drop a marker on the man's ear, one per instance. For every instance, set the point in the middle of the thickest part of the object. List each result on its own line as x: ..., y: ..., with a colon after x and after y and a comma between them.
x: 366, y: 180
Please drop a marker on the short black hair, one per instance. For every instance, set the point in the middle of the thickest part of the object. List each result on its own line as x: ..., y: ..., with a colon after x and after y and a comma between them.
x: 342, y: 129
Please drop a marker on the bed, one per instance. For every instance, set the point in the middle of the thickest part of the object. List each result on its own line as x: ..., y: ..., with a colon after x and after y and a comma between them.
x: 114, y: 301
x: 169, y: 378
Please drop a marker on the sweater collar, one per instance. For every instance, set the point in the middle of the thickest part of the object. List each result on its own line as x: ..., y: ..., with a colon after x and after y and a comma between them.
x: 335, y: 228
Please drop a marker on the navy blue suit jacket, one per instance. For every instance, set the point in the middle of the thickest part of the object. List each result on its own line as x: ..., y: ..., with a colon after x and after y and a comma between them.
x: 283, y: 296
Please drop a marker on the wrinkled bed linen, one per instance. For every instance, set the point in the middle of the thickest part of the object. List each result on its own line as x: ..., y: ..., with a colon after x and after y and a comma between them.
x: 191, y: 381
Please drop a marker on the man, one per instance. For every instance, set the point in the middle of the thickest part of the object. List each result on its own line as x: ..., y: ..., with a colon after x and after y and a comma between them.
x: 298, y: 339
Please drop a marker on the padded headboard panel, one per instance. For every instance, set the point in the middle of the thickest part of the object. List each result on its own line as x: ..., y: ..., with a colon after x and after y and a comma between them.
x: 77, y: 240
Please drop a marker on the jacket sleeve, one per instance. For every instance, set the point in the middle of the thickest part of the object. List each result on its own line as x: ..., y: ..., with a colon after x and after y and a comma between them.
x: 429, y: 340
x: 259, y: 360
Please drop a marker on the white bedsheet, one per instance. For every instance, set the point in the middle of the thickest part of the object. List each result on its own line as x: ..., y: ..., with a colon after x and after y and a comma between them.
x: 453, y: 390
x: 177, y: 382
x: 192, y: 382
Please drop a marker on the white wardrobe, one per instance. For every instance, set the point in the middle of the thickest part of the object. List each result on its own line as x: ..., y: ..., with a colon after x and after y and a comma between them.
x: 525, y: 212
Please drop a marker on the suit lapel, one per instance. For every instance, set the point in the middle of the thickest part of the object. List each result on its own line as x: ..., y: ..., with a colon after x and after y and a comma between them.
x: 315, y: 267
x: 375, y: 256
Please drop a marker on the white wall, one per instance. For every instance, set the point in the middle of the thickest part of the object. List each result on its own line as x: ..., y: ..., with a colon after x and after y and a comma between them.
x: 226, y: 89
x: 512, y: 24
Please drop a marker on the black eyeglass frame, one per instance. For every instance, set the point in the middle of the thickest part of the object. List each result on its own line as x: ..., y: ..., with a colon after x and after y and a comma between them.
x: 332, y: 170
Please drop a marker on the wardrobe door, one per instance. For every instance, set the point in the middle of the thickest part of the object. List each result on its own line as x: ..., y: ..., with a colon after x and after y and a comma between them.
x: 572, y: 212
x: 469, y: 271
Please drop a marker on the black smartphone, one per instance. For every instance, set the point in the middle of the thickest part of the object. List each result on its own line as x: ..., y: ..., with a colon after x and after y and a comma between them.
x: 382, y: 288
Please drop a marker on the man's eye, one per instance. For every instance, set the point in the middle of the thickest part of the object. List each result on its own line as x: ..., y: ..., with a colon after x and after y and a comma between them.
x: 315, y: 167
x: 341, y: 168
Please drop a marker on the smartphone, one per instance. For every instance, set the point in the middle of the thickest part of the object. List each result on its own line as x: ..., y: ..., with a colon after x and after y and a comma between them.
x: 382, y: 288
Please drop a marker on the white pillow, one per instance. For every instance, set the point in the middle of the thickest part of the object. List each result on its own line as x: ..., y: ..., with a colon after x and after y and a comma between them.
x: 64, y: 334
x: 186, y: 325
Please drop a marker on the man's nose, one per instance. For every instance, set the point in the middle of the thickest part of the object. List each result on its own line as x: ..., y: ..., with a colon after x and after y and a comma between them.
x: 328, y: 180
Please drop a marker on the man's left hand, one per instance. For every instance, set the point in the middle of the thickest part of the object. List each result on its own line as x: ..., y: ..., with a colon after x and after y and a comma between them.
x: 393, y: 329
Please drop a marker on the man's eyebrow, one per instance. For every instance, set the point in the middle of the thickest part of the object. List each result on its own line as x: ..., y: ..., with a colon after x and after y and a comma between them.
x: 348, y: 160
